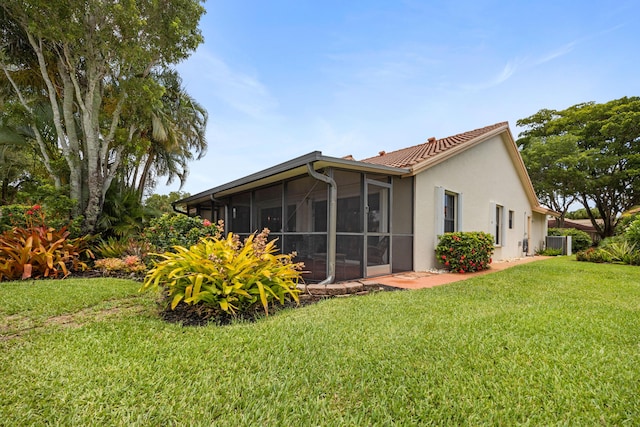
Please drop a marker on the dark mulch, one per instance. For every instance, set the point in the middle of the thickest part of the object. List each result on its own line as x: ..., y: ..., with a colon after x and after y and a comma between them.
x: 190, y: 315
x: 381, y: 288
x: 93, y: 274
x: 198, y: 315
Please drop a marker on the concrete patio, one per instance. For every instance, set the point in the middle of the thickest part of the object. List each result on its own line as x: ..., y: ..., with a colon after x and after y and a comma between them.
x: 411, y: 279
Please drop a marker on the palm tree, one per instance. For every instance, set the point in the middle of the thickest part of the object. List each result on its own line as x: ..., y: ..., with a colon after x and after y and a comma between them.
x: 176, y: 135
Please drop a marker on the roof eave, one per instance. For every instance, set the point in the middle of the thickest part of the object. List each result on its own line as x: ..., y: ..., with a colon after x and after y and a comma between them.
x: 288, y: 169
x: 512, y: 149
x: 545, y: 211
x: 432, y: 161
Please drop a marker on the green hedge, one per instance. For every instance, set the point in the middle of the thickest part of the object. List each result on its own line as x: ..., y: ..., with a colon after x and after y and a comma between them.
x: 466, y: 251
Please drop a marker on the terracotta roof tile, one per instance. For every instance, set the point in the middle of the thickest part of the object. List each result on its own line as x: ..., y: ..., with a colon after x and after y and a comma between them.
x: 410, y: 156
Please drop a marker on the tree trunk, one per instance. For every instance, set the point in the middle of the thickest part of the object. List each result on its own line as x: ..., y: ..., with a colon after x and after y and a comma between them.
x: 145, y: 173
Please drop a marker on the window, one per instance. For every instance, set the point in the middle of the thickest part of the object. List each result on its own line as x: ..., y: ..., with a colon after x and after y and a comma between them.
x: 350, y: 218
x: 268, y: 208
x: 450, y: 202
x: 510, y: 220
x: 306, y: 205
x: 241, y: 213
x: 498, y: 235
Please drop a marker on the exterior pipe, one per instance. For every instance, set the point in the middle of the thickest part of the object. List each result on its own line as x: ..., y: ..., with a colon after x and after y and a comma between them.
x: 226, y: 212
x: 176, y: 210
x: 333, y: 215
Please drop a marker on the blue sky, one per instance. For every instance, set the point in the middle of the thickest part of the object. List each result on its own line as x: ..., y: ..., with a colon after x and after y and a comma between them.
x: 281, y: 78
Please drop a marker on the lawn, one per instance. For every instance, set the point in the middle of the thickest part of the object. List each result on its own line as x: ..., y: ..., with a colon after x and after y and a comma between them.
x: 546, y: 343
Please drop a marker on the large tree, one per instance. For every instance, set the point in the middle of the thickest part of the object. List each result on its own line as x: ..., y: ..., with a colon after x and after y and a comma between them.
x: 552, y: 165
x: 90, y: 59
x: 606, y: 165
x: 171, y: 133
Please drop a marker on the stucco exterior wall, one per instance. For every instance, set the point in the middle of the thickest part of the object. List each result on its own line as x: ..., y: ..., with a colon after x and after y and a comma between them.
x: 483, y: 176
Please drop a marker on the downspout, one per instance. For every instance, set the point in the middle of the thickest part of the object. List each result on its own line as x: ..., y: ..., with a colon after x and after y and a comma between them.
x: 333, y: 215
x: 175, y: 209
x: 226, y: 212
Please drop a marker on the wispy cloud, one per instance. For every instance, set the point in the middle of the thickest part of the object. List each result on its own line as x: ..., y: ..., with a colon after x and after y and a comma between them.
x: 239, y: 90
x: 508, y: 70
x: 568, y: 47
x: 383, y: 66
x: 561, y: 51
x: 498, y: 78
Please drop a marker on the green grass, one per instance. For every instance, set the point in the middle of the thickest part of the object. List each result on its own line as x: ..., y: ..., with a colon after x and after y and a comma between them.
x: 547, y: 343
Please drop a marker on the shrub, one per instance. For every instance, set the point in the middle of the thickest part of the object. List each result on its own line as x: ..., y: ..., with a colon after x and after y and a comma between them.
x: 634, y: 258
x: 111, y: 247
x: 580, y: 240
x: 37, y: 250
x: 114, y: 247
x: 177, y: 230
x: 465, y: 251
x: 227, y: 275
x: 625, y: 220
x: 619, y: 249
x: 40, y: 251
x: 58, y: 206
x: 550, y: 252
x: 593, y: 255
x: 128, y: 264
x: 632, y: 233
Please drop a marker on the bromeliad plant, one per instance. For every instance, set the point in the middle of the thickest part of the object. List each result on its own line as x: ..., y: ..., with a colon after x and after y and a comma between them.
x: 226, y: 274
x: 40, y: 251
x: 465, y: 252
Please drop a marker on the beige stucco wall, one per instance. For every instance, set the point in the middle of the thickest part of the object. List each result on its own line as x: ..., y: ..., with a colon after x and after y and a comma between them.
x: 484, y: 175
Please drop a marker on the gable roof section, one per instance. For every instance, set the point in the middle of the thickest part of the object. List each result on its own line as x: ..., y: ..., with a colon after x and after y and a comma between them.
x: 435, y: 151
x: 412, y: 157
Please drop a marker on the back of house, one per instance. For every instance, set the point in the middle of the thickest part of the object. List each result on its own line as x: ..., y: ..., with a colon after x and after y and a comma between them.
x: 349, y: 219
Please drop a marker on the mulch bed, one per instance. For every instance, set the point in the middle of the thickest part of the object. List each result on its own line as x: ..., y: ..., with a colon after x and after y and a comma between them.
x: 189, y: 315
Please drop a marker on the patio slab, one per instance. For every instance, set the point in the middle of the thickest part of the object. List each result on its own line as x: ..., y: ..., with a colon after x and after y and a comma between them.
x: 426, y: 279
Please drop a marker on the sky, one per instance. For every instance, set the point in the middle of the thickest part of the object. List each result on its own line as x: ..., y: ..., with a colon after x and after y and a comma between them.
x: 281, y: 79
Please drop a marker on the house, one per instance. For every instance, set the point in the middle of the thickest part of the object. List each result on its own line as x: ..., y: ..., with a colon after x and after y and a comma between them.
x: 349, y: 219
x: 580, y: 224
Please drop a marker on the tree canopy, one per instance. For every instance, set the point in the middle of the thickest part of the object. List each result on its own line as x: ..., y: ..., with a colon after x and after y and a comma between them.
x: 89, y: 71
x: 588, y: 151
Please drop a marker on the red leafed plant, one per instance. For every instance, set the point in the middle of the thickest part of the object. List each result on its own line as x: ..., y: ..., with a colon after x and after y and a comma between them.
x: 40, y: 251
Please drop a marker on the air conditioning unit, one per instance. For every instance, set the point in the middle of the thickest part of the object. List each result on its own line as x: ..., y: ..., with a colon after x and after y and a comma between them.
x: 559, y: 242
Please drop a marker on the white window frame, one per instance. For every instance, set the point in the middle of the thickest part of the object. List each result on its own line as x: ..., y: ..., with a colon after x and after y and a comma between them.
x: 498, y: 225
x: 439, y: 210
x: 454, y: 216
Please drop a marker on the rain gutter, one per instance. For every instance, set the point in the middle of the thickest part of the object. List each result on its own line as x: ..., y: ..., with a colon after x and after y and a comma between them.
x: 333, y: 215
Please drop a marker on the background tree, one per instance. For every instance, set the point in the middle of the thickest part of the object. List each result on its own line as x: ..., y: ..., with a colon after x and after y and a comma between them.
x: 89, y: 70
x: 552, y: 162
x: 608, y: 164
x: 162, y: 203
x: 582, y: 214
x: 20, y: 162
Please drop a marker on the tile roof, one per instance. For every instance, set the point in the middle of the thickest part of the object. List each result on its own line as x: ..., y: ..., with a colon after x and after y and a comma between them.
x: 411, y: 156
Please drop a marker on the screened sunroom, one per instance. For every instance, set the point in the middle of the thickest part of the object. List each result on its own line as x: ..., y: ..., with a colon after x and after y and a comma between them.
x: 344, y: 219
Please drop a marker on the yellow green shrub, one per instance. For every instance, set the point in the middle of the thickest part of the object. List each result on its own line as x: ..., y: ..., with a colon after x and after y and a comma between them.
x: 226, y: 274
